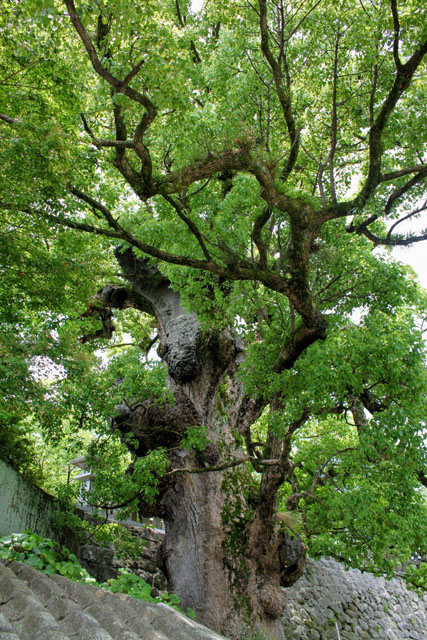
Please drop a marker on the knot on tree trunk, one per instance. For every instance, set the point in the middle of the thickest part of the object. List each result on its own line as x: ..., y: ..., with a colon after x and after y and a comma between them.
x: 180, y: 349
x: 272, y: 599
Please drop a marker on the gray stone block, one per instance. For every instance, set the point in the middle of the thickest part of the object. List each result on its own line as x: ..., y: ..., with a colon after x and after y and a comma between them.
x: 92, y: 633
x: 177, y: 626
x: 45, y: 588
x: 126, y: 635
x: 110, y: 622
x: 5, y: 624
x: 21, y: 605
x: 22, y: 571
x: 62, y: 606
x: 36, y: 623
x: 84, y: 625
x: 49, y: 634
x: 11, y: 587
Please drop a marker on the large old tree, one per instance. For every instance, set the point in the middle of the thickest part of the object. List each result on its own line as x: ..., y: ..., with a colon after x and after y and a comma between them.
x: 245, y: 165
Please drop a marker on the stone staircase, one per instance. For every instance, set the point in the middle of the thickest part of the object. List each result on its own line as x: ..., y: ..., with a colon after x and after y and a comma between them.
x: 34, y: 606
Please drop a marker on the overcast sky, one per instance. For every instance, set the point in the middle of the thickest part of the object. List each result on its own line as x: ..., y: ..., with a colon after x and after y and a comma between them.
x: 416, y: 256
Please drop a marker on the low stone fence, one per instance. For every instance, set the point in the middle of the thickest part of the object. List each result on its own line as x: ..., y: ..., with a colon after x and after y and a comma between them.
x: 330, y: 603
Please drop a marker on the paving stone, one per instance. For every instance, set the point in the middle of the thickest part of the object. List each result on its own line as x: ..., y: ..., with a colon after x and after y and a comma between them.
x: 81, y: 593
x: 45, y: 588
x: 49, y: 634
x: 177, y: 626
x: 23, y: 571
x: 62, y: 606
x: 10, y: 587
x: 38, y: 623
x: 91, y: 633
x: 85, y: 626
x: 140, y: 613
x: 110, y: 622
x: 139, y: 624
x: 21, y: 605
x: 127, y: 635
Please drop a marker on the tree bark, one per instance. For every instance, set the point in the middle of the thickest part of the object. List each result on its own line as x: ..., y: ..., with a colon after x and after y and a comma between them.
x: 193, y: 547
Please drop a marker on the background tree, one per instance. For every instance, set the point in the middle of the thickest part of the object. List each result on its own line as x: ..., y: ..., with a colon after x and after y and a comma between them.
x: 231, y: 174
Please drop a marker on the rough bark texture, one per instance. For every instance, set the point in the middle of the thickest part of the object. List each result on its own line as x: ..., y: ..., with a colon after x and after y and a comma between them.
x: 225, y: 555
x: 193, y: 546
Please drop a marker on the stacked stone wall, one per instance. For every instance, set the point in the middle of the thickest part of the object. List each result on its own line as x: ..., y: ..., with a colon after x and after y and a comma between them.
x: 103, y: 563
x: 330, y: 603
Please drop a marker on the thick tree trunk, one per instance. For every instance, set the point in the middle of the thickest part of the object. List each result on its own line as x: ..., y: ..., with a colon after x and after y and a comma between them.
x: 193, y: 548
x: 230, y: 575
x: 224, y: 554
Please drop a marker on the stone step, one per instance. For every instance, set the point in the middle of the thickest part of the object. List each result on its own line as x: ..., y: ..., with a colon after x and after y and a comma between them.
x: 34, y: 606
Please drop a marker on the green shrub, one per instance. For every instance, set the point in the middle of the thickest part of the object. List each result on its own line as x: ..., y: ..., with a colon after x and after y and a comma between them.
x: 44, y: 555
x: 137, y: 587
x: 416, y: 577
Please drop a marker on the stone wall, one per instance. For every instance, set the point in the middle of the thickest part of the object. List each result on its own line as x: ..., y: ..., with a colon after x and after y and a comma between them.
x: 23, y: 505
x: 102, y: 562
x: 362, y: 606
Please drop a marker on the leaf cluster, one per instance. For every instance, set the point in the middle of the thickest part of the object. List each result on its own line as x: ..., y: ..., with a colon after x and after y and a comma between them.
x: 43, y: 554
x: 135, y: 586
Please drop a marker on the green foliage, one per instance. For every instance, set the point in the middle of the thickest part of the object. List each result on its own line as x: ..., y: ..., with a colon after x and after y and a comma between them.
x: 148, y: 469
x: 215, y: 93
x: 17, y: 443
x: 118, y: 485
x: 196, y: 438
x: 137, y: 587
x: 416, y: 577
x: 362, y: 505
x: 43, y: 554
x: 127, y: 544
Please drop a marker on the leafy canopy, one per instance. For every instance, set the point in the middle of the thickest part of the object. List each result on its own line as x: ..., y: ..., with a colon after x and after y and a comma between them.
x: 260, y: 153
